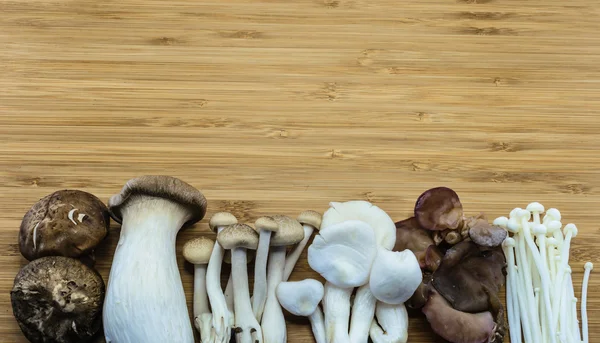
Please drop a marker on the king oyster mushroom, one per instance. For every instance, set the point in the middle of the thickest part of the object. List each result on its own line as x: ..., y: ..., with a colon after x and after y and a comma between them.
x: 67, y: 223
x: 145, y: 300
x: 58, y: 299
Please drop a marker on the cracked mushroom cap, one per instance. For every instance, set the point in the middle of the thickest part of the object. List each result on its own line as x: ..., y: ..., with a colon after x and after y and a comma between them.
x: 58, y: 299
x: 198, y: 250
x: 238, y: 236
x: 65, y: 223
x: 290, y: 231
x: 311, y: 218
x: 300, y: 298
x: 438, y: 209
x: 160, y: 186
x: 221, y: 219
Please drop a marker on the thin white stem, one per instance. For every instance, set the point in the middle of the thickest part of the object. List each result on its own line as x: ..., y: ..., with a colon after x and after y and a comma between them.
x: 526, y: 294
x: 221, y: 315
x: 336, y: 305
x: 565, y: 329
x: 363, y: 312
x: 247, y: 328
x: 547, y: 324
x: 292, y: 258
x: 512, y: 302
x: 584, y: 289
x: 201, y: 304
x: 318, y: 325
x: 562, y: 267
x: 259, y: 296
x: 229, y: 292
x: 273, y: 322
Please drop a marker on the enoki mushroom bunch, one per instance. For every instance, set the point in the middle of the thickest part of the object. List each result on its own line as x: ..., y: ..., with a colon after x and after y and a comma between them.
x: 541, y: 304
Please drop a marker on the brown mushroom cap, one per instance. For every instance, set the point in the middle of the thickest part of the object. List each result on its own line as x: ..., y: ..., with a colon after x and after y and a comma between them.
x: 290, y: 231
x: 467, y: 276
x: 439, y: 209
x: 456, y: 326
x: 160, y: 186
x: 198, y: 250
x: 311, y: 218
x: 65, y: 223
x: 221, y: 219
x: 238, y: 236
x: 409, y: 235
x: 486, y: 235
x: 58, y: 299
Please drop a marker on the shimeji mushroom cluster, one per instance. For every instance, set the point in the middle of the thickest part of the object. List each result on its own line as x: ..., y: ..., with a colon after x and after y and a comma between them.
x: 541, y: 302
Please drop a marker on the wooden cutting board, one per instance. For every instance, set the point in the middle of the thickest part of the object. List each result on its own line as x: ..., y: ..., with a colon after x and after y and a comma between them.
x: 274, y: 106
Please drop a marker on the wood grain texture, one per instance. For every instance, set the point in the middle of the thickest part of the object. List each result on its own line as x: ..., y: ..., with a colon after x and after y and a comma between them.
x: 273, y: 106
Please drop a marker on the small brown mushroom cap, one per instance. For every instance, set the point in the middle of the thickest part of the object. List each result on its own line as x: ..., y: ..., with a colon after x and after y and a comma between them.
x: 238, y: 236
x: 311, y: 218
x: 58, y: 299
x: 290, y: 231
x: 160, y: 186
x: 266, y: 224
x: 486, y: 235
x: 65, y: 223
x: 221, y: 219
x: 439, y: 209
x: 198, y: 250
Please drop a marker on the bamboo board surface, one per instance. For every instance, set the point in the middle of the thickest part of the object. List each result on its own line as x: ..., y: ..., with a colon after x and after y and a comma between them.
x: 279, y: 106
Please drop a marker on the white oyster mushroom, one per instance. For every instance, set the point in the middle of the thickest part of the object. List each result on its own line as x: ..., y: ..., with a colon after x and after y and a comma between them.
x: 394, y: 321
x: 145, y: 299
x: 363, y: 308
x: 302, y: 298
x: 395, y: 276
x: 343, y: 254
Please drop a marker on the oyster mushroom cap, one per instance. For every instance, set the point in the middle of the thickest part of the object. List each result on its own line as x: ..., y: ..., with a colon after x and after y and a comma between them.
x: 67, y: 223
x: 378, y: 219
x: 58, y: 299
x: 395, y: 276
x: 344, y: 253
x: 456, y: 326
x: 409, y: 235
x: 439, y: 209
x: 467, y: 276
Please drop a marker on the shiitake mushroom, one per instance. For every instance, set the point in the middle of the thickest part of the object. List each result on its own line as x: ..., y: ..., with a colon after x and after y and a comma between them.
x: 58, y: 299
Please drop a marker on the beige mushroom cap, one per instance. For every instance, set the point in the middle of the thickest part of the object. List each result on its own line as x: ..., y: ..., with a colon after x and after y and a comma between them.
x: 198, y: 250
x: 238, y: 236
x: 266, y: 224
x: 290, y: 231
x: 221, y: 219
x: 311, y: 218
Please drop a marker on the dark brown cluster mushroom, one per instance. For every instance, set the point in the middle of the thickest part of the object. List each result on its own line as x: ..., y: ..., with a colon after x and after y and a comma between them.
x: 463, y: 268
x: 58, y: 295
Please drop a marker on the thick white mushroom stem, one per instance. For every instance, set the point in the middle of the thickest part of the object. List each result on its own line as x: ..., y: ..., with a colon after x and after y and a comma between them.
x: 222, y: 316
x: 584, y: 288
x: 145, y: 300
x: 229, y: 292
x: 363, y: 312
x: 336, y: 305
x: 394, y: 320
x: 273, y: 321
x: 294, y: 255
x: 247, y: 327
x: 259, y: 297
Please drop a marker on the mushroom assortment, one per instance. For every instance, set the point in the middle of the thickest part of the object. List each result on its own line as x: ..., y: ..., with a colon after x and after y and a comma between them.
x: 439, y: 262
